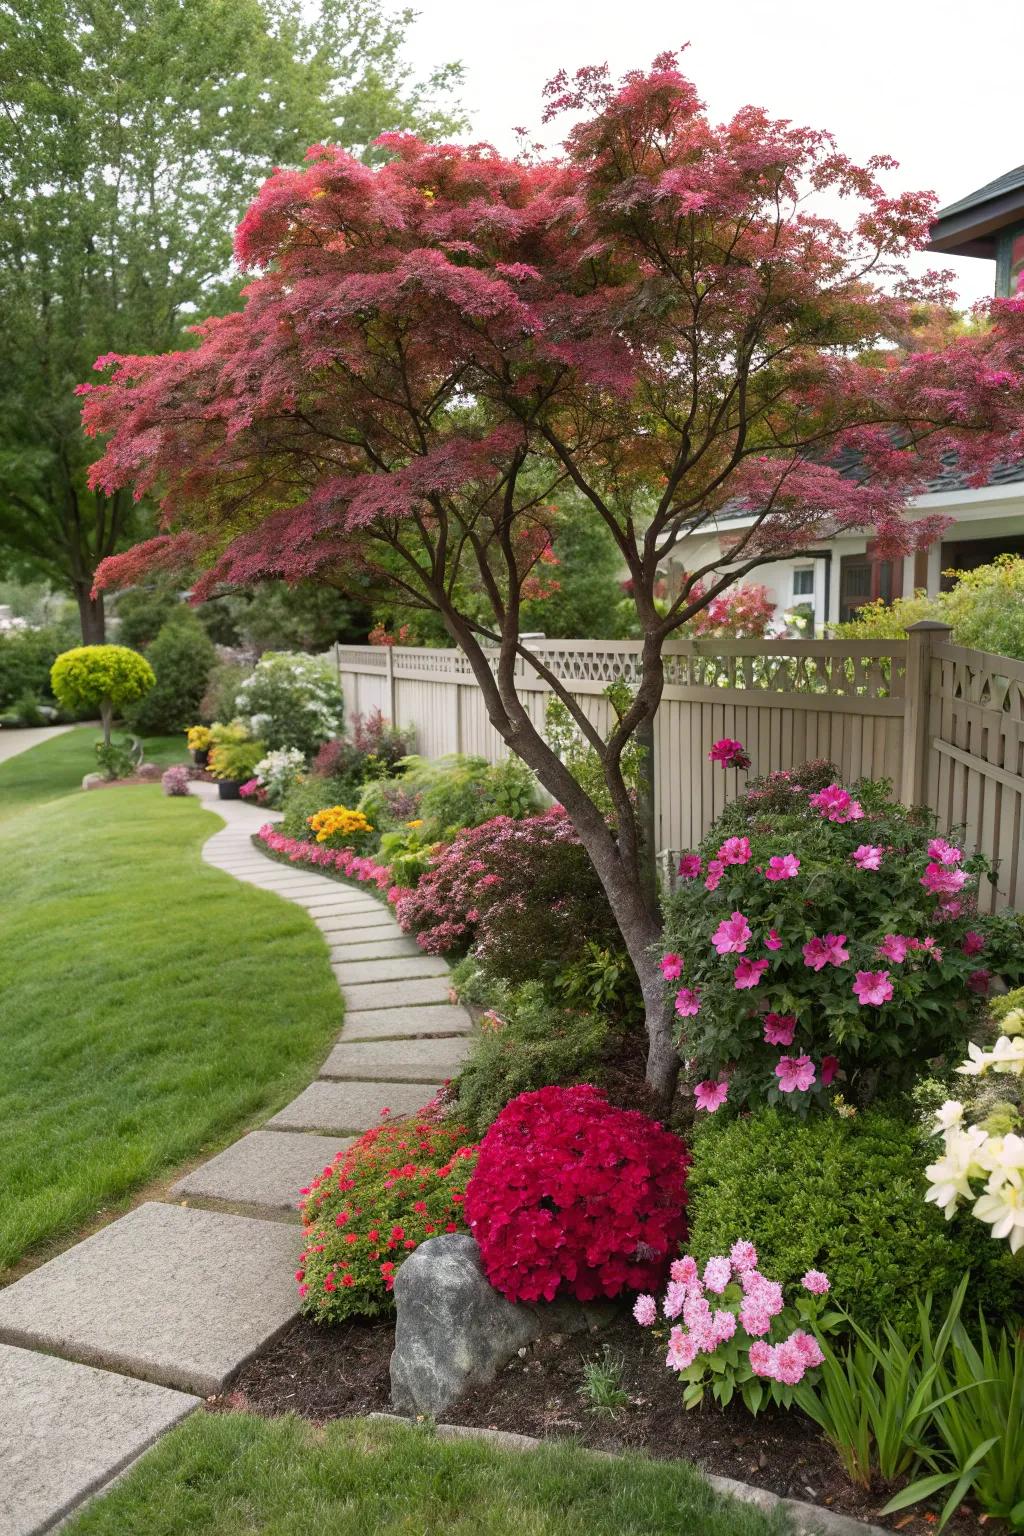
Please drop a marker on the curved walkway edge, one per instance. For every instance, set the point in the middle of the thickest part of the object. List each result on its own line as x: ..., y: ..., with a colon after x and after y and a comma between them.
x: 113, y: 1342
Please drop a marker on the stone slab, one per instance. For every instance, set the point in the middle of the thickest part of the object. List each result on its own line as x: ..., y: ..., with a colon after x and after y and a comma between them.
x: 66, y: 1430
x: 400, y: 1061
x: 398, y: 994
x: 400, y: 1023
x: 372, y: 949
x: 266, y: 1168
x: 367, y: 919
x: 348, y: 1108
x: 177, y: 1296
x: 385, y: 970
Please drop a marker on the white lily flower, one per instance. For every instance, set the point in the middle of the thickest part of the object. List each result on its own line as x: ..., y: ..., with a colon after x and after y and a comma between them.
x: 950, y: 1177
x: 978, y: 1061
x: 1003, y: 1210
x: 1008, y: 1055
x: 950, y: 1116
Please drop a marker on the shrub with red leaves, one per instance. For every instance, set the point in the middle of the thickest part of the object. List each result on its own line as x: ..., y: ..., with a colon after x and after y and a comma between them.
x: 573, y: 1195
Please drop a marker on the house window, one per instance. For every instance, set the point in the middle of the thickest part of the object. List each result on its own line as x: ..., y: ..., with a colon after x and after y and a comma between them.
x: 866, y: 578
x: 803, y: 581
x: 1009, y: 262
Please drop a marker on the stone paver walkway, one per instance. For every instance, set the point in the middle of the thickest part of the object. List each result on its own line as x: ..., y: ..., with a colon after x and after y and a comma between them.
x: 15, y: 740
x: 170, y: 1300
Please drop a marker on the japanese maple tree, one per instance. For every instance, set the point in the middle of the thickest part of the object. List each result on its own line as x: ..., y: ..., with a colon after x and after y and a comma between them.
x: 668, y: 317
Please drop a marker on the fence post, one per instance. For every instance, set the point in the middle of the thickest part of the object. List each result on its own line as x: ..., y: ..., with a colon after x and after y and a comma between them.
x: 389, y: 652
x: 916, y: 703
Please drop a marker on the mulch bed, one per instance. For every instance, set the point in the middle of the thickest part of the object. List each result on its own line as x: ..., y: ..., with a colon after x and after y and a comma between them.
x: 327, y: 1373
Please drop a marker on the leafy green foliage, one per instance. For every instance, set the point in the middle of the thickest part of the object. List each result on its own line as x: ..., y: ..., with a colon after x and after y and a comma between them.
x: 457, y: 791
x: 220, y: 701
x: 985, y: 607
x: 845, y: 1196
x: 96, y: 677
x: 119, y: 757
x: 292, y: 700
x: 26, y: 656
x: 564, y: 737
x: 601, y: 1389
x: 182, y: 656
x: 142, y: 613
x: 234, y: 753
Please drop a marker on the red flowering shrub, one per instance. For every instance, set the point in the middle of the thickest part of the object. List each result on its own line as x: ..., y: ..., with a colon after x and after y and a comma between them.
x: 571, y: 1194
x: 399, y: 1184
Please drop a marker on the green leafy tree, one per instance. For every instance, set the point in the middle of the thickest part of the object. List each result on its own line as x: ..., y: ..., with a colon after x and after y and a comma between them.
x: 133, y: 134
x: 106, y: 678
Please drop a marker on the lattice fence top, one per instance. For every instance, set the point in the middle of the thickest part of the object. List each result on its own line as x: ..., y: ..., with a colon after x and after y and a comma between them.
x: 981, y: 679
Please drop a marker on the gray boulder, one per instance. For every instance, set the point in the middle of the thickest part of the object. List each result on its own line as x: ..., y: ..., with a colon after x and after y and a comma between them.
x: 454, y: 1331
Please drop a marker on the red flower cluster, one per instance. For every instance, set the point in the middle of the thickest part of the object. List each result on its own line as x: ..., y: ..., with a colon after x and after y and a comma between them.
x: 398, y: 1185
x: 571, y: 1194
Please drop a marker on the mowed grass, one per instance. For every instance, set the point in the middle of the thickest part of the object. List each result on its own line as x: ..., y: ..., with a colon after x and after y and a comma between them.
x: 150, y: 1006
x: 58, y: 766
x: 236, y: 1475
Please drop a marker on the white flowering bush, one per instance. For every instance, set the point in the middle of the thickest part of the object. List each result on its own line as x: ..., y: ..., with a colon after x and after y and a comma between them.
x: 292, y: 700
x: 984, y: 1164
x: 279, y: 772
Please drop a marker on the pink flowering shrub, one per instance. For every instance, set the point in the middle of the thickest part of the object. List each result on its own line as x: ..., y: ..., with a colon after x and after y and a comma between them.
x: 341, y: 861
x: 730, y: 1329
x: 573, y: 1196
x: 175, y: 780
x: 825, y: 938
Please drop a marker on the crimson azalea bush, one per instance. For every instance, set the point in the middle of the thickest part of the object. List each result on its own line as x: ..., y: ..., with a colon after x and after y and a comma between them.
x: 399, y: 1184
x: 824, y: 936
x: 573, y: 1195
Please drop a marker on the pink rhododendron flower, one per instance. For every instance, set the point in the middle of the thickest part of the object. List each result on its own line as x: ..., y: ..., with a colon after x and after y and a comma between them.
x: 836, y: 804
x: 735, y: 850
x: 688, y: 1001
x: 949, y: 907
x: 710, y: 1096
x: 723, y: 1326
x: 766, y: 1293
x: 927, y: 946
x: 940, y: 881
x: 867, y: 856
x: 743, y: 1256
x: 795, y: 1073
x: 894, y: 947
x: 973, y: 943
x: 829, y: 1068
x: 675, y: 1299
x: 943, y: 852
x: 779, y: 1028
x: 808, y: 1346
x: 784, y: 867
x: 978, y: 981
x: 762, y: 1358
x: 748, y: 973
x: 829, y: 950
x: 716, y: 869
x: 645, y: 1310
x: 731, y: 935
x: 729, y: 753
x: 682, y: 1350
x: 717, y: 1274
x: 789, y: 1363
x: 755, y: 1318
x: 690, y: 866
x: 671, y: 967
x: 772, y: 941
x: 696, y: 1311
x: 872, y: 988
x: 684, y: 1271
x: 816, y: 1281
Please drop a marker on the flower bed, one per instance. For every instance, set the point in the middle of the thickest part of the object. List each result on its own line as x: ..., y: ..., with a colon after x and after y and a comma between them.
x: 337, y: 861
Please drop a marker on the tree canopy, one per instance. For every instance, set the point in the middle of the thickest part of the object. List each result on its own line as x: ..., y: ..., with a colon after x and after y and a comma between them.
x: 665, y: 318
x: 132, y: 136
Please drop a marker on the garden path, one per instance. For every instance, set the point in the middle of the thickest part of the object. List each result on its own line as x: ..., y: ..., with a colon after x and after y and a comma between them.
x: 108, y: 1345
x: 15, y: 740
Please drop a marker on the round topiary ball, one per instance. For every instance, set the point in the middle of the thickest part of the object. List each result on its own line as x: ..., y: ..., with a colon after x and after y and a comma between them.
x: 104, y: 678
x: 573, y: 1195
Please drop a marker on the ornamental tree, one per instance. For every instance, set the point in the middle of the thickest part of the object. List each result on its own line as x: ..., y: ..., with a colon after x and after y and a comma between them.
x: 662, y: 318
x: 105, y: 678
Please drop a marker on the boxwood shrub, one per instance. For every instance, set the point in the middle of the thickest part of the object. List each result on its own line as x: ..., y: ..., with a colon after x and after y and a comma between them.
x: 845, y: 1196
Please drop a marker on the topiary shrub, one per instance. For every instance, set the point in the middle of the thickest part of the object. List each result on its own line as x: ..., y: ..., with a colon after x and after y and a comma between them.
x: 844, y: 1195
x: 572, y: 1195
x: 292, y: 700
x: 182, y: 656
x: 398, y: 1185
x: 104, y: 678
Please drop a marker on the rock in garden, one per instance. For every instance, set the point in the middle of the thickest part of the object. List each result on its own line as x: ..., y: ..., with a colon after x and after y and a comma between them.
x: 454, y: 1331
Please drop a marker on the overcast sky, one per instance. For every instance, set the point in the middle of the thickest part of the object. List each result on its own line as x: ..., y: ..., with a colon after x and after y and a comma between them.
x: 935, y: 84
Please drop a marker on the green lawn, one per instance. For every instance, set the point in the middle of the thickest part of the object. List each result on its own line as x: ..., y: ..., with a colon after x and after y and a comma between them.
x: 151, y: 1006
x: 59, y: 765
x: 235, y: 1475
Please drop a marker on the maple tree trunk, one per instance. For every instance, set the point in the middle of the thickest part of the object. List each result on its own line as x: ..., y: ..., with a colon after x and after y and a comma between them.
x: 92, y: 617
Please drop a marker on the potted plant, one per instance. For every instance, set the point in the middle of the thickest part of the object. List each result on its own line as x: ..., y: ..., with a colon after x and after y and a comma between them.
x: 200, y: 740
x: 234, y: 754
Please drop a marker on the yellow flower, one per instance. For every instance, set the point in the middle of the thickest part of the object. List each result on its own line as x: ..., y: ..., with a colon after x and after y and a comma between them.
x: 417, y: 823
x: 338, y: 821
x: 199, y: 737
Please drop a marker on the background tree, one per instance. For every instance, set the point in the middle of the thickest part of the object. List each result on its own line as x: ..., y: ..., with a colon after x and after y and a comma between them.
x: 665, y: 319
x: 132, y: 135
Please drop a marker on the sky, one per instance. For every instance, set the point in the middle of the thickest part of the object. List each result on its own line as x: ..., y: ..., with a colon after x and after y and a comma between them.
x: 936, y: 85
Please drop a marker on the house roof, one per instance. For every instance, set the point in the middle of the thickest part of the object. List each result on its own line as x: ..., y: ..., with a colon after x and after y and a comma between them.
x: 1010, y: 182
x: 969, y: 226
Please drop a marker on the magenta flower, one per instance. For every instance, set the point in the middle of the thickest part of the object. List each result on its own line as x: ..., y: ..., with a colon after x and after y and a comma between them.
x: 867, y: 856
x: 808, y: 1347
x: 829, y: 950
x: 872, y: 988
x: 772, y: 941
x: 836, y: 804
x: 729, y: 753
x: 829, y: 1068
x: 978, y: 982
x: 731, y: 935
x: 795, y: 1073
x: 688, y: 1001
x: 645, y: 1310
x: 785, y: 867
x: 943, y: 852
x: 748, y: 973
x: 671, y: 967
x: 894, y: 947
x: 735, y: 850
x: 716, y: 869
x: 779, y: 1028
x: 710, y: 1096
x: 973, y: 943
x: 940, y: 881
x: 816, y: 1281
x: 689, y: 866
x: 949, y: 907
x: 682, y: 1350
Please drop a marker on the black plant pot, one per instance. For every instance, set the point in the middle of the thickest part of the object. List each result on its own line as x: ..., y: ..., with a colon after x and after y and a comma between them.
x: 201, y: 756
x: 227, y: 789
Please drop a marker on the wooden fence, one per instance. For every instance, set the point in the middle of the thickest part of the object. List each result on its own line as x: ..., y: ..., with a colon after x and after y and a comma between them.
x: 945, y: 724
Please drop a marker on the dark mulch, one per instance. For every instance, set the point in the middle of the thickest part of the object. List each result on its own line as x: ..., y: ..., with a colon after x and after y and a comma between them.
x: 327, y: 1373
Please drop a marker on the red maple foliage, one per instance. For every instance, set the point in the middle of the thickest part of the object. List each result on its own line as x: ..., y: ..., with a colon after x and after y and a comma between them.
x: 664, y: 318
